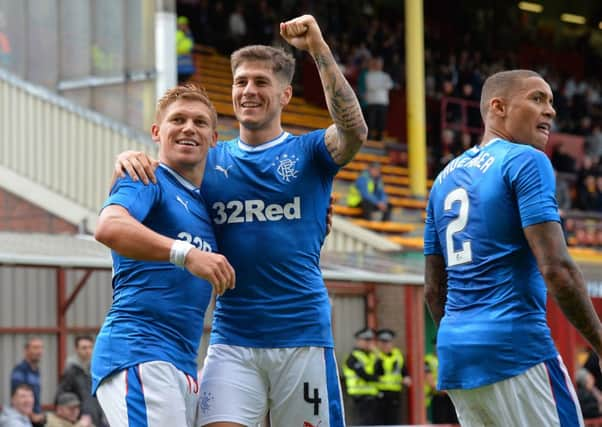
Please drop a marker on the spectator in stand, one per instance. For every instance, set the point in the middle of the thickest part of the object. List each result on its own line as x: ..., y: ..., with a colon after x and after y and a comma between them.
x: 593, y: 142
x: 590, y: 398
x: 184, y: 45
x: 19, y: 413
x: 592, y: 364
x: 203, y: 27
x: 449, y: 144
x: 473, y: 114
x: 396, y: 70
x: 28, y: 372
x: 453, y: 112
x: 562, y: 160
x: 262, y: 24
x: 596, y: 234
x: 238, y: 26
x: 67, y: 412
x: 466, y: 142
x: 563, y: 193
x: 598, y: 207
x: 368, y: 192
x: 584, y: 128
x: 588, y: 196
x: 360, y: 86
x: 77, y: 379
x: 219, y: 21
x: 378, y: 85
x: 589, y: 166
x: 582, y: 235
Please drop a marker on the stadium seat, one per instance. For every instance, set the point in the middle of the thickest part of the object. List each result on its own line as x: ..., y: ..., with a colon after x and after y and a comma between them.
x: 385, y: 226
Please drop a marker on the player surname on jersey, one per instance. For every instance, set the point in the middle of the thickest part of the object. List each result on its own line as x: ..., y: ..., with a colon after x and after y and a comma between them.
x: 483, y: 161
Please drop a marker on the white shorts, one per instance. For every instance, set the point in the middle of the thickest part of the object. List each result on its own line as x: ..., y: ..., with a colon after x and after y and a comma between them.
x: 298, y: 386
x: 152, y: 394
x: 543, y: 396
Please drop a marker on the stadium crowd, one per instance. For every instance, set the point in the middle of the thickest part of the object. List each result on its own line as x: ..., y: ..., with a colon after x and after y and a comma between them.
x: 74, y: 405
x: 456, y: 64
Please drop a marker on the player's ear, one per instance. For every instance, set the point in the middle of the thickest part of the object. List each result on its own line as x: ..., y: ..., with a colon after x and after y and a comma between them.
x: 497, y: 106
x: 214, y: 139
x: 286, y: 96
x: 155, y: 132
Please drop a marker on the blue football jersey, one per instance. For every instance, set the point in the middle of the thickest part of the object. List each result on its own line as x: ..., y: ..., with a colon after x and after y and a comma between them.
x: 158, y: 309
x: 268, y: 204
x: 494, y: 326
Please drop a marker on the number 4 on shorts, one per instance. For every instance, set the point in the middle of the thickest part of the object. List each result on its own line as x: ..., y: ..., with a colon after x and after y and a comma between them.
x: 316, y: 400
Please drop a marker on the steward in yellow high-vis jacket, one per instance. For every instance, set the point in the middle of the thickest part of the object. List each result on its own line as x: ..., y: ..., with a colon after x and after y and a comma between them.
x: 368, y: 192
x: 361, y: 378
x: 393, y: 375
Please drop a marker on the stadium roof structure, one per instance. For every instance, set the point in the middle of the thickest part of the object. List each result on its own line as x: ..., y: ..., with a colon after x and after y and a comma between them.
x: 53, y: 250
x: 82, y: 251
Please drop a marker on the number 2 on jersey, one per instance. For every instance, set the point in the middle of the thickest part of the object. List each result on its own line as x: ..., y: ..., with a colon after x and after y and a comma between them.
x: 464, y: 255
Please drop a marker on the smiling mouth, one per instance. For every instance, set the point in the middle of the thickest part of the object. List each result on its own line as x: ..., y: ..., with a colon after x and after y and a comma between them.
x: 248, y: 104
x: 188, y: 143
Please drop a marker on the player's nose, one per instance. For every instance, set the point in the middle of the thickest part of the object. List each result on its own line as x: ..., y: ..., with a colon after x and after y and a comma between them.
x: 549, y: 111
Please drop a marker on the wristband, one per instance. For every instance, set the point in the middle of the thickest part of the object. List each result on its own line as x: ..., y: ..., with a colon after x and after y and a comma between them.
x: 178, y: 252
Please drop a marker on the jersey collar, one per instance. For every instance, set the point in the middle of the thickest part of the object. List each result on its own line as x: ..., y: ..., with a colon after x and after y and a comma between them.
x: 491, y: 141
x: 185, y: 183
x: 265, y: 145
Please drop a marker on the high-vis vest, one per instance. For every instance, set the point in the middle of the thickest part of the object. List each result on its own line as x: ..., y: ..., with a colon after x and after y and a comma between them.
x: 184, y: 45
x: 354, y: 197
x: 433, y: 364
x: 357, y: 386
x: 392, y: 364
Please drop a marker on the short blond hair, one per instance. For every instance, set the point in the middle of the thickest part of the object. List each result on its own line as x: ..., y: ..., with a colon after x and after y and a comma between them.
x: 189, y: 92
x: 282, y: 63
x: 502, y: 84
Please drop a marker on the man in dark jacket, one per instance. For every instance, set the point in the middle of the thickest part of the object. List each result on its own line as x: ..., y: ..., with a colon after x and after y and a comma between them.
x: 77, y: 379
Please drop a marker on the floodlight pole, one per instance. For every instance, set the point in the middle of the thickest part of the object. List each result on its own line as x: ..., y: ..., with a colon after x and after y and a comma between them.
x: 416, y: 134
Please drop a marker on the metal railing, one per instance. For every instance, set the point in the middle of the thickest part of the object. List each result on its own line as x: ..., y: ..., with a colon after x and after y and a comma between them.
x: 65, y: 148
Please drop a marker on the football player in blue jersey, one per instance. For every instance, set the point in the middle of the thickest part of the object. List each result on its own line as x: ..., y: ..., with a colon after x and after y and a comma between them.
x: 494, y: 247
x: 271, y: 347
x: 144, y: 367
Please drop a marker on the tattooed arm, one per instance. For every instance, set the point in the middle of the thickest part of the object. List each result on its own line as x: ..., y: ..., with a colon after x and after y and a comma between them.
x: 349, y: 131
x: 435, y: 286
x: 564, y: 280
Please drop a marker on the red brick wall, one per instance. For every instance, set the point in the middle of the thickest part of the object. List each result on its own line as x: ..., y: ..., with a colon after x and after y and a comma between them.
x: 17, y: 214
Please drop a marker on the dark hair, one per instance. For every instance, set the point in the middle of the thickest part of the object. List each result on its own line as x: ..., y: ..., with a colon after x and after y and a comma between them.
x: 502, y: 84
x: 21, y: 386
x: 29, y: 340
x: 78, y: 338
x: 282, y: 63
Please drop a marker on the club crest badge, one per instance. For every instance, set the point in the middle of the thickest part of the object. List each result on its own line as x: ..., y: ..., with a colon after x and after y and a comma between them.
x: 286, y: 167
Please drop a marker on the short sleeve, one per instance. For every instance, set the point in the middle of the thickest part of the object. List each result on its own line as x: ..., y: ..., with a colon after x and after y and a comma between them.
x: 320, y: 151
x: 136, y: 197
x: 531, y: 177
